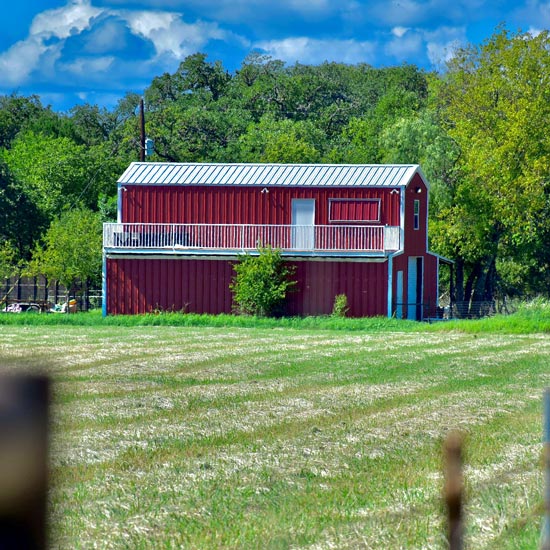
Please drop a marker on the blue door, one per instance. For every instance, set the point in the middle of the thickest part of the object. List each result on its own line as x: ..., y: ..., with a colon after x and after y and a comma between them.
x: 415, y: 288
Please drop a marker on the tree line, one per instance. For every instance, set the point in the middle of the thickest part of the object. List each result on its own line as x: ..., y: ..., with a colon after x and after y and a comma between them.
x: 478, y: 129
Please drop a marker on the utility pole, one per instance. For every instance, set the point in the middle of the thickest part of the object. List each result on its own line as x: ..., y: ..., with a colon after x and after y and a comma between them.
x: 142, y: 131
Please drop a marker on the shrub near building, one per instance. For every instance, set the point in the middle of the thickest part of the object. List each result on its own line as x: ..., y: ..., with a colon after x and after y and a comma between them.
x: 261, y: 283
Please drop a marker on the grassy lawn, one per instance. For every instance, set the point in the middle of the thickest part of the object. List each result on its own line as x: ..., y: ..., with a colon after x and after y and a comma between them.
x: 287, y: 437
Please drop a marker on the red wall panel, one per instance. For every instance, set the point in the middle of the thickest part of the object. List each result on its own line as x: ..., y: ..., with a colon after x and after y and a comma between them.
x: 430, y: 282
x: 142, y: 285
x: 416, y: 239
x: 209, y: 204
x: 364, y: 284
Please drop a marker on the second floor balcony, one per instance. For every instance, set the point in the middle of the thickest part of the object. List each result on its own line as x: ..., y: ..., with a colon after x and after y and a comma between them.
x: 344, y: 240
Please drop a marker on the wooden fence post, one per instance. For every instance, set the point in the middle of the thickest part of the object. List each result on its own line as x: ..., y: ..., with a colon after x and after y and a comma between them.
x: 546, y: 428
x: 24, y: 419
x: 454, y: 489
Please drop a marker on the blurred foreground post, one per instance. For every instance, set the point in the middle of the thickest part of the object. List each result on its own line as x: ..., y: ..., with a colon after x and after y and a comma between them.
x: 546, y: 520
x: 24, y: 419
x: 453, y: 490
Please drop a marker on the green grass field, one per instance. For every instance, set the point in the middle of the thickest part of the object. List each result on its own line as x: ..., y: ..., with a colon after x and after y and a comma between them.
x: 279, y: 435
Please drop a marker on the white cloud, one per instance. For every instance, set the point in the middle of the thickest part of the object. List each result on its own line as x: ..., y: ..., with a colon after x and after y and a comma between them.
x: 38, y: 52
x: 442, y: 44
x: 147, y: 22
x: 440, y: 54
x: 236, y: 10
x: 399, y: 31
x: 406, y: 46
x: 66, y: 21
x: 57, y: 38
x: 17, y: 63
x: 107, y: 37
x: 77, y: 45
x: 310, y: 51
x: 534, y: 32
x: 24, y: 57
x: 89, y: 66
x: 437, y: 45
x: 169, y: 34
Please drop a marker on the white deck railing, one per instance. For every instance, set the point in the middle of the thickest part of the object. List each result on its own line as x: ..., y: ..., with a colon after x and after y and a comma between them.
x: 328, y: 238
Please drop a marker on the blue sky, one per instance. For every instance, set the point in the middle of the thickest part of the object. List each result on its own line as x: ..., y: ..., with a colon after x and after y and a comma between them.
x: 75, y: 51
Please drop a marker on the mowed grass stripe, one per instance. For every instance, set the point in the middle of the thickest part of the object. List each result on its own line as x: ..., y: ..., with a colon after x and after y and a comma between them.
x: 377, y: 504
x: 236, y: 403
x: 169, y: 437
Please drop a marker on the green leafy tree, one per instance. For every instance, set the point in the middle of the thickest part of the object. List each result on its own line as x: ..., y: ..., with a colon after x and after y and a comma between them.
x: 282, y: 141
x: 93, y: 125
x: 20, y: 222
x: 256, y: 86
x: 193, y: 132
x: 56, y: 173
x: 71, y: 250
x: 50, y: 171
x: 361, y: 139
x: 421, y: 139
x: 9, y: 260
x: 261, y: 282
x: 495, y: 107
x: 191, y: 115
x: 201, y: 76
x: 122, y: 125
x: 15, y: 113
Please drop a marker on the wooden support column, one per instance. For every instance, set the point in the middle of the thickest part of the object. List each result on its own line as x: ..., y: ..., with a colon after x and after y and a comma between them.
x: 24, y: 420
x: 546, y: 521
x: 453, y: 490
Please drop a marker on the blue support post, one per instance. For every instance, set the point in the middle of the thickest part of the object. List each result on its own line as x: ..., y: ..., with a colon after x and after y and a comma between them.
x: 104, y: 286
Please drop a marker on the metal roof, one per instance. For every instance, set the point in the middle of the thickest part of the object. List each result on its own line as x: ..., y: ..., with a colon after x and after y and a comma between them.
x: 284, y: 175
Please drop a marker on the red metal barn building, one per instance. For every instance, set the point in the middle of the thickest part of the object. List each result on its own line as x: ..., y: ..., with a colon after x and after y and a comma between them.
x: 358, y: 230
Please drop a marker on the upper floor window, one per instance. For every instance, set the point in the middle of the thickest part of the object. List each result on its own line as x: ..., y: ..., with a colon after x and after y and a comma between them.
x: 354, y: 210
x: 417, y: 214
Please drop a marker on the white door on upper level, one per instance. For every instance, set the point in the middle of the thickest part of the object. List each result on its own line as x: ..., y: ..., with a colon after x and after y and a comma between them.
x: 303, y: 222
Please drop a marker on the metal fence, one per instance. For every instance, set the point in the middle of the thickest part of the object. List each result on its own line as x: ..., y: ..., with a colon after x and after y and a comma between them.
x: 427, y: 311
x: 478, y: 309
x: 369, y: 238
x: 39, y: 294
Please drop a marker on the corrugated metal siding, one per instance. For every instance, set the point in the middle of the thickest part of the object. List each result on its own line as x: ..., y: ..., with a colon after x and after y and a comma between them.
x: 430, y: 282
x: 143, y: 285
x: 363, y: 283
x: 150, y: 204
x: 415, y: 242
x: 286, y: 175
